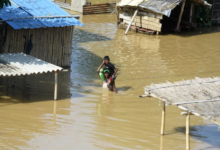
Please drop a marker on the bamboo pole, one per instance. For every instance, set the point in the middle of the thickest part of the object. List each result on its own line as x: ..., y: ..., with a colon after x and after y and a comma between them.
x: 201, y: 101
x: 186, y: 113
x: 163, y: 119
x: 55, y: 88
x: 180, y: 16
x: 187, y: 131
x: 135, y: 13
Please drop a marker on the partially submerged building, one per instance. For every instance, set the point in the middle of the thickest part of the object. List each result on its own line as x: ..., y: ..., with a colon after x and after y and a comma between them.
x: 156, y: 15
x: 38, y: 28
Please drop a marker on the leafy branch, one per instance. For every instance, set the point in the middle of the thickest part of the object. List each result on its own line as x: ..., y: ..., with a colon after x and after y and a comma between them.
x: 4, y: 2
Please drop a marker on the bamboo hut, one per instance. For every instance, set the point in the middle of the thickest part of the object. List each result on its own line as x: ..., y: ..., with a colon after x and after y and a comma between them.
x: 154, y: 16
x: 38, y: 28
x: 200, y: 97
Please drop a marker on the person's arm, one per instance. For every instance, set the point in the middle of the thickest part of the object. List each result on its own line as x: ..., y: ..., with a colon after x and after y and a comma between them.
x: 116, y: 70
x: 100, y: 67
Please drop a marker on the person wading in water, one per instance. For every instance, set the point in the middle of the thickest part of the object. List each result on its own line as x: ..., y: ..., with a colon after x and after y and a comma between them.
x: 110, y: 82
x: 111, y: 70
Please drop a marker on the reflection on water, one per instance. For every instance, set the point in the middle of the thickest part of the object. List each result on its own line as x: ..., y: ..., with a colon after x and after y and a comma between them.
x: 88, y: 117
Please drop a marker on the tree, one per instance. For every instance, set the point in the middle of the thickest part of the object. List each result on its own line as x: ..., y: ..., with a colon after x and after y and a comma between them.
x: 4, y: 2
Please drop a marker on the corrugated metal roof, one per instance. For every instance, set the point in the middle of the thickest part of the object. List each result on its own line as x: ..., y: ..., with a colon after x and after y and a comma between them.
x: 165, y: 6
x: 159, y: 6
x: 129, y: 2
x: 22, y: 64
x: 36, y: 8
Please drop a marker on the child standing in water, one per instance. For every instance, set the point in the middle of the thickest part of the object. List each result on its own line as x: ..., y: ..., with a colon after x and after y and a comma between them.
x: 110, y: 82
x: 106, y: 64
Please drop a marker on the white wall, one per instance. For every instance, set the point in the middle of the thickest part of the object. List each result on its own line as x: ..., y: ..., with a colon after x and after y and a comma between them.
x: 76, y: 5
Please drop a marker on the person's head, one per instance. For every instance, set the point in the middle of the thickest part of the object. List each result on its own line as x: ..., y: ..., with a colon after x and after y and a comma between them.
x: 106, y: 73
x: 106, y: 59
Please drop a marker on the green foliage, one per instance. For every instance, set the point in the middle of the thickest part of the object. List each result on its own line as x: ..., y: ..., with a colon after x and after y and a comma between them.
x: 202, y: 16
x: 4, y: 2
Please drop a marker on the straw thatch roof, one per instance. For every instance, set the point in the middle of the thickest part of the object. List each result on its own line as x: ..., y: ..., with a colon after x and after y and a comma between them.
x: 200, y: 96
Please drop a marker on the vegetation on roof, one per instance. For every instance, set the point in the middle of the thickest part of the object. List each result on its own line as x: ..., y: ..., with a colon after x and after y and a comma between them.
x: 4, y: 2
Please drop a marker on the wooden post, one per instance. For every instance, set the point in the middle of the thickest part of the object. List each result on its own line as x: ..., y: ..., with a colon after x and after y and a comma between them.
x: 180, y: 16
x: 117, y: 13
x: 163, y: 118
x: 55, y: 88
x: 190, y: 17
x: 213, y: 8
x: 135, y: 13
x: 187, y: 131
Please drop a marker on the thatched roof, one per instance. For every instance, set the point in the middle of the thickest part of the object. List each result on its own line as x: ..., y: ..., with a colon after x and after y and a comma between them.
x: 200, y: 96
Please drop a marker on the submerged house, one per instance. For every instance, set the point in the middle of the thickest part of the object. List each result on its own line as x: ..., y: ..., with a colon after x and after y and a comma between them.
x: 39, y: 28
x: 157, y: 15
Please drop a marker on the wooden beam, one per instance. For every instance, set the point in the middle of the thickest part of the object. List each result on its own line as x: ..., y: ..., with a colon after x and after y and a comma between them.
x: 163, y: 119
x: 180, y: 16
x: 213, y: 8
x: 186, y: 113
x: 201, y: 101
x: 135, y: 13
x: 215, y: 19
x: 191, y: 14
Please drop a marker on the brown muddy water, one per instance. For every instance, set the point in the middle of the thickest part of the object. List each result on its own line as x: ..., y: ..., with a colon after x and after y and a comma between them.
x: 86, y: 117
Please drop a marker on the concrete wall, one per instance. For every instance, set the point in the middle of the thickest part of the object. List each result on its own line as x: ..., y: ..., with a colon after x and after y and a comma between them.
x: 77, y: 5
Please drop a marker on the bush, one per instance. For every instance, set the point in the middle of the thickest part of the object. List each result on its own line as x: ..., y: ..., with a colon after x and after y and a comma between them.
x: 202, y: 16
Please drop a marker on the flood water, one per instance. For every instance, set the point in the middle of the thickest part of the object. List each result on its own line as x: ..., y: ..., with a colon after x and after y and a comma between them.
x: 86, y: 117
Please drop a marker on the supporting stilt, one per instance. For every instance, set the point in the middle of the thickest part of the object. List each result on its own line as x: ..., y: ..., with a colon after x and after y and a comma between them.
x: 180, y: 16
x: 163, y: 119
x: 187, y: 131
x: 135, y: 13
x: 55, y: 88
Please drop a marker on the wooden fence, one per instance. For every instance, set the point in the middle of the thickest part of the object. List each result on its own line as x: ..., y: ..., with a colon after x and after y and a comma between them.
x: 98, y: 8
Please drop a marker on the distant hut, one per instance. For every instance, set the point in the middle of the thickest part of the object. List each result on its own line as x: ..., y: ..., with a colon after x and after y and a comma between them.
x: 153, y: 16
x: 39, y: 28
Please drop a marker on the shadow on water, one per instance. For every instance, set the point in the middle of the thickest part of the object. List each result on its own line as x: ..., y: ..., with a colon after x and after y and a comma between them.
x: 35, y: 88
x: 208, y: 134
x: 124, y: 88
x: 82, y: 36
x: 195, y: 32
